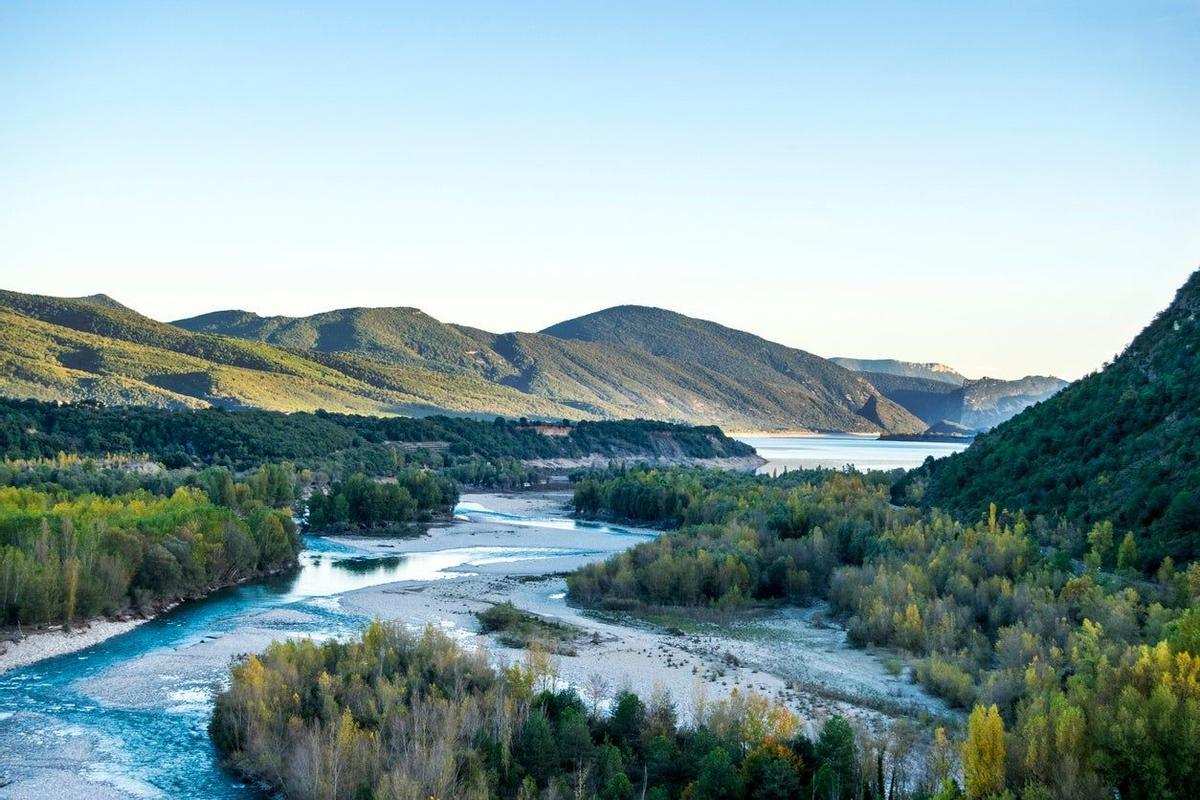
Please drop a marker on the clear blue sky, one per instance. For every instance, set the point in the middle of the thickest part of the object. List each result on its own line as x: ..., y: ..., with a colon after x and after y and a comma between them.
x: 1008, y: 187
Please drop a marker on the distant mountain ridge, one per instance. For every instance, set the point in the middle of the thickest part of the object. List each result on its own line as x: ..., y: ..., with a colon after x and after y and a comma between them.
x: 597, y: 377
x: 401, y: 361
x: 937, y: 393
x: 904, y: 369
x: 1122, y: 444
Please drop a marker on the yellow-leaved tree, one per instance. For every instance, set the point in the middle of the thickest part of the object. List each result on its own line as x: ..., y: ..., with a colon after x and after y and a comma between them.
x: 983, y: 753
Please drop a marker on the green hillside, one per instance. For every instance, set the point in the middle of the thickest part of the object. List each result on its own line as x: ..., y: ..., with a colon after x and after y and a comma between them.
x: 595, y: 377
x: 72, y: 349
x: 1122, y: 444
x: 393, y: 335
x: 818, y: 393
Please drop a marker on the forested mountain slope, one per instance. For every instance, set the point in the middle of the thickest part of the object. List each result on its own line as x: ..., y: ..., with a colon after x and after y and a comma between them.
x: 826, y: 395
x: 394, y: 335
x: 402, y: 361
x: 599, y: 377
x: 1122, y: 444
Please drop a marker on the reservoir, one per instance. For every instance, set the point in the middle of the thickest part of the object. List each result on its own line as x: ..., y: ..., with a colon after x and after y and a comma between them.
x: 837, y: 450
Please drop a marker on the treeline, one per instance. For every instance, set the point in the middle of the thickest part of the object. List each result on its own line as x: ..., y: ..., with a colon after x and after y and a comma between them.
x: 746, y: 537
x: 65, y: 557
x: 394, y: 716
x: 1091, y: 667
x: 359, y: 502
x: 243, y: 439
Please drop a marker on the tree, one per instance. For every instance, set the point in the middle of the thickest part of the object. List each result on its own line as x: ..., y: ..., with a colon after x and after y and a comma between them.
x: 838, y: 755
x: 538, y: 752
x: 983, y: 753
x: 628, y: 720
x: 718, y: 779
x: 619, y: 787
x: 1127, y: 554
x: 769, y: 773
x: 1101, y: 539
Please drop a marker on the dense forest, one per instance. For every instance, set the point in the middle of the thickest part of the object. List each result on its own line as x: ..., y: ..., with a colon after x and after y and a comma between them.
x: 1089, y: 664
x: 395, y: 716
x: 359, y: 503
x: 107, y: 547
x: 1121, y: 445
x: 109, y: 509
x: 244, y: 439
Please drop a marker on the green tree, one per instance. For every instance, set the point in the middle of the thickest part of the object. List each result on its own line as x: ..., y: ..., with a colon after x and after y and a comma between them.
x: 1127, y: 554
x: 718, y: 780
x: 838, y: 754
x: 538, y: 752
x: 1101, y: 539
x: 619, y: 787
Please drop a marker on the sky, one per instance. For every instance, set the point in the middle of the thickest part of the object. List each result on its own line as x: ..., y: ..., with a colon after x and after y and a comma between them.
x: 1009, y: 188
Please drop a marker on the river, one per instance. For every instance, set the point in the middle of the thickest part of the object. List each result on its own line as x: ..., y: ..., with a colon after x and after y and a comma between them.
x: 839, y: 450
x: 128, y: 717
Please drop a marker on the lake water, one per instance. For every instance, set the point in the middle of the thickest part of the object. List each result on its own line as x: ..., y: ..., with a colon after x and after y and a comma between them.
x: 128, y: 717
x: 839, y: 450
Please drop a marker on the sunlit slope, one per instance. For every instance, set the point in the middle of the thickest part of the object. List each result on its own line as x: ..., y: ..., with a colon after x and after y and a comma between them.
x: 804, y: 388
x: 67, y: 349
x: 601, y: 378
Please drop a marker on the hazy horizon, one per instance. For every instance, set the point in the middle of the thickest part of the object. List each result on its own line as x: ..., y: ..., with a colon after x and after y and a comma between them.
x: 1009, y: 190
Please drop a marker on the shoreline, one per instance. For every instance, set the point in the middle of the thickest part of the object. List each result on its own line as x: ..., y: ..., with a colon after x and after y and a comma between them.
x: 730, y: 463
x: 40, y: 645
x: 801, y: 434
x: 794, y: 656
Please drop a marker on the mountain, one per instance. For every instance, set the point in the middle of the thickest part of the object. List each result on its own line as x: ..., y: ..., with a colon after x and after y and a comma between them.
x: 904, y: 369
x: 591, y: 377
x: 932, y: 401
x: 71, y: 349
x: 1122, y: 444
x: 989, y: 401
x: 808, y: 391
x: 398, y: 361
x: 406, y: 336
x: 936, y: 393
x: 102, y: 300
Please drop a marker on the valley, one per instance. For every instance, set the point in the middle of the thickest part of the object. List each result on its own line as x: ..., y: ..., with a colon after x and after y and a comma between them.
x: 134, y: 708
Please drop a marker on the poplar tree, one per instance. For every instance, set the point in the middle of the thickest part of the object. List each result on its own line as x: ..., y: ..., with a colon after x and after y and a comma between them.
x: 983, y: 753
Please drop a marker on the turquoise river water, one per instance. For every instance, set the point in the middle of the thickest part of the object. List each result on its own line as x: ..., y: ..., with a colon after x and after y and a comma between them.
x: 131, y: 713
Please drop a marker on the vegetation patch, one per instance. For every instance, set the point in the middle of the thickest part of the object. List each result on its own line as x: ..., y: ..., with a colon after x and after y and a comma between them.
x: 522, y: 630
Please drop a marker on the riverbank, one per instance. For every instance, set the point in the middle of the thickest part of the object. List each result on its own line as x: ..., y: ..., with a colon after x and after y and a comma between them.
x: 794, y: 656
x: 37, y: 645
x: 127, y: 718
x: 730, y: 463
